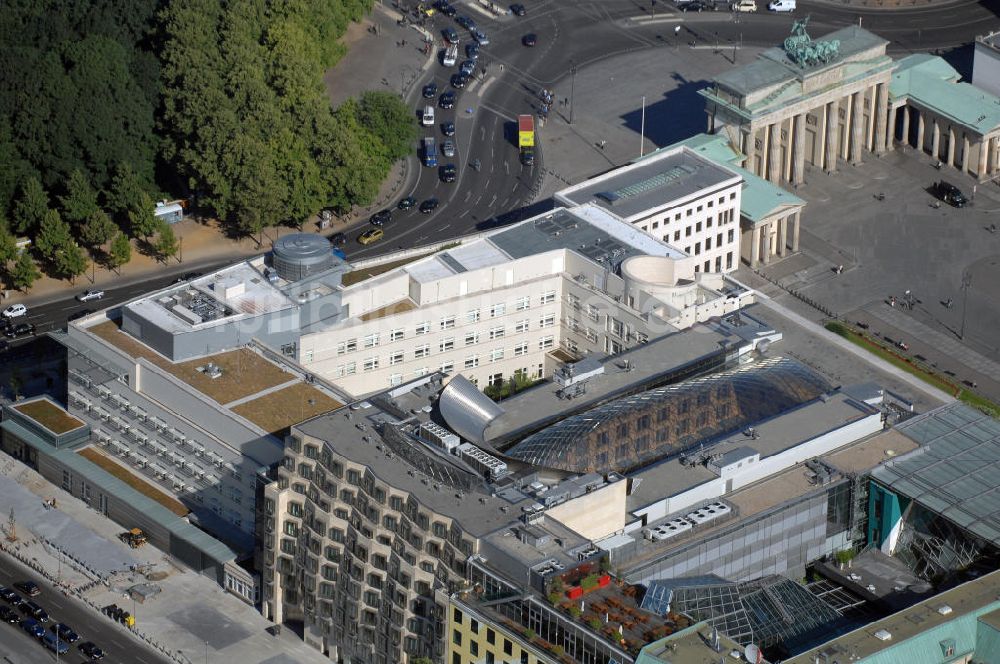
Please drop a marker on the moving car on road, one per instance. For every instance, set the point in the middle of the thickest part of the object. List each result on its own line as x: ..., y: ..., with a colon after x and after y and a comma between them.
x: 15, y: 311
x: 447, y: 149
x: 430, y: 90
x: 90, y: 649
x: 380, y: 218
x: 429, y: 205
x: 7, y: 595
x: 744, y: 6
x: 91, y: 294
x: 8, y: 615
x: 480, y: 37
x: 371, y: 235
x: 782, y: 6
x: 20, y: 330
x: 448, y: 173
x: 447, y: 100
x: 338, y: 239
x: 466, y: 23
x: 29, y: 588
x: 530, y: 40
x: 448, y: 128
x: 517, y: 9
x: 472, y: 51
x: 459, y: 81
x: 407, y: 203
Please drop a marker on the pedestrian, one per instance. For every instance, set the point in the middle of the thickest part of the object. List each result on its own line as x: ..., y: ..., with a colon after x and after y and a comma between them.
x: 501, y: 66
x: 892, y: 300
x: 677, y: 30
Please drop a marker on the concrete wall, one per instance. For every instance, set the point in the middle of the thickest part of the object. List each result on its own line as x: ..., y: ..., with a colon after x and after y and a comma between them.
x: 596, y: 514
x: 986, y: 69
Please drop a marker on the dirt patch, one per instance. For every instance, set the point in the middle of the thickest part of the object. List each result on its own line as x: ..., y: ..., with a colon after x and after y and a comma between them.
x: 279, y: 410
x: 243, y: 373
x: 140, y: 485
x: 50, y: 416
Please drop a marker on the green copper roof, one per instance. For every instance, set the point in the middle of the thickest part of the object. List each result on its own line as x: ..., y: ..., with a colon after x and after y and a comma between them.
x: 932, y: 83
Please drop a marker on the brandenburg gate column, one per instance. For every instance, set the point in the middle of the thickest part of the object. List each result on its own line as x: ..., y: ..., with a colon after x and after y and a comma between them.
x: 881, y: 117
x: 906, y: 125
x: 936, y: 141
x: 799, y: 155
x: 890, y: 142
x: 832, y: 120
x: 857, y: 128
x: 774, y: 152
x: 951, y: 146
x: 984, y: 150
x: 795, y: 231
x: 755, y: 246
x: 965, y: 152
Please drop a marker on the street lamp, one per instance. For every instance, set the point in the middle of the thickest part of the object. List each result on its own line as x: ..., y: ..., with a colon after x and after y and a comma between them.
x: 572, y: 91
x: 966, y: 285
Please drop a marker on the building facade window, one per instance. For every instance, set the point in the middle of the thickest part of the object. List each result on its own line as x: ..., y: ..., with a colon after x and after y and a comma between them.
x: 471, y: 362
x: 521, y: 349
x: 548, y: 297
x: 522, y: 303
x: 422, y: 328
x: 498, y: 310
x: 369, y: 364
x: 546, y: 342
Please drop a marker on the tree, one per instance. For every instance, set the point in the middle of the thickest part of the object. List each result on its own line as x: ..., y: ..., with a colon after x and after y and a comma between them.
x: 120, y: 253
x: 388, y: 118
x: 25, y: 272
x: 70, y: 261
x: 423, y: 660
x: 98, y: 229
x: 142, y: 219
x: 8, y: 245
x: 166, y: 242
x: 30, y: 207
x: 80, y: 201
x: 53, y: 235
x: 126, y: 192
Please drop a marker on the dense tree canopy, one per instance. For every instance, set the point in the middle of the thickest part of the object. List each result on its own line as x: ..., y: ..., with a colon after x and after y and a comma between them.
x: 106, y: 104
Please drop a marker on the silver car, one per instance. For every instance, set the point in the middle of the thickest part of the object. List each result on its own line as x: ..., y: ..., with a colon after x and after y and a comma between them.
x: 89, y: 295
x: 448, y: 148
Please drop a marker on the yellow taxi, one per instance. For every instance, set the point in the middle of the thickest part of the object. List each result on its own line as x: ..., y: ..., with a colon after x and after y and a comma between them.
x: 371, y: 235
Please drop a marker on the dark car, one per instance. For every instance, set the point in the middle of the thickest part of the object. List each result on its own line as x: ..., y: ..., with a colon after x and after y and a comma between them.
x: 458, y: 81
x: 407, y: 203
x: 448, y: 173
x: 447, y: 100
x: 696, y: 6
x: 466, y: 23
x: 450, y: 35
x: 338, y: 239
x: 21, y: 330
x: 8, y: 595
x: 429, y: 205
x: 35, y: 611
x: 90, y: 649
x: 32, y: 626
x: 380, y: 218
x: 467, y: 67
x: 8, y: 615
x: 65, y: 632
x: 430, y: 90
x: 950, y: 194
x: 449, y: 11
x: 472, y: 51
x: 448, y: 128
x: 517, y: 10
x: 29, y: 588
x: 529, y: 40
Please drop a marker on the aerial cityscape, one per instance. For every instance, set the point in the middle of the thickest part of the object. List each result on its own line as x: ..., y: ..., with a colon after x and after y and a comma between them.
x: 466, y: 332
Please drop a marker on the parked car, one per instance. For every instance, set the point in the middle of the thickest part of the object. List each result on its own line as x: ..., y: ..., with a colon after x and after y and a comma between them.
x: 447, y: 149
x: 32, y: 627
x: 65, y: 632
x: 448, y: 173
x: 338, y: 239
x: 696, y: 6
x: 950, y: 194
x: 380, y: 218
x: 450, y: 35
x: 55, y: 644
x: 90, y: 649
x: 447, y: 100
x: 8, y: 595
x: 782, y: 6
x: 8, y: 615
x: 449, y: 11
x: 91, y: 294
x: 15, y: 311
x: 429, y: 205
x: 481, y: 37
x: 529, y: 40
x: 430, y: 90
x: 371, y: 235
x: 459, y: 81
x: 448, y: 128
x: 472, y: 51
x: 35, y: 611
x: 29, y: 588
x: 744, y: 6
x: 467, y: 67
x: 466, y: 23
x: 517, y: 9
x: 407, y: 203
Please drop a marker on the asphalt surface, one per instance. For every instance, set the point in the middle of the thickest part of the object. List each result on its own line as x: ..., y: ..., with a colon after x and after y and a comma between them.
x: 572, y: 34
x: 17, y: 647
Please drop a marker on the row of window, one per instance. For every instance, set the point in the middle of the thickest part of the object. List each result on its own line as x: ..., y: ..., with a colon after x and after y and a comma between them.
x: 446, y: 323
x: 708, y: 243
x: 375, y: 362
x: 724, y: 217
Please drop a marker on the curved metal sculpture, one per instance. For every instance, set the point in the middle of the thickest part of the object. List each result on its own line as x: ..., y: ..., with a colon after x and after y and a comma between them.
x: 466, y: 410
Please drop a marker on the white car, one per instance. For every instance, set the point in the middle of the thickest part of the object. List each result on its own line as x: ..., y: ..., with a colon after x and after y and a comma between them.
x: 89, y: 295
x: 744, y: 6
x: 15, y: 311
x: 782, y: 6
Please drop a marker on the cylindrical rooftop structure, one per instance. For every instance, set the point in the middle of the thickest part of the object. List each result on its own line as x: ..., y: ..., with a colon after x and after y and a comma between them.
x: 299, y: 255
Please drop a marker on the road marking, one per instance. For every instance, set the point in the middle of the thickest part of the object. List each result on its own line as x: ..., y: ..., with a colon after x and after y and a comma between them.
x: 484, y: 86
x: 492, y: 201
x: 464, y: 212
x: 506, y: 167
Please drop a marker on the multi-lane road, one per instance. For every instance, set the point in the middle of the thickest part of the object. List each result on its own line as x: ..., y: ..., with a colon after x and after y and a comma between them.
x: 17, y: 647
x: 572, y: 34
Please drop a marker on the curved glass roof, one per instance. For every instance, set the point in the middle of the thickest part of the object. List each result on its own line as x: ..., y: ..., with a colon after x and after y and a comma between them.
x: 635, y: 430
x: 467, y: 410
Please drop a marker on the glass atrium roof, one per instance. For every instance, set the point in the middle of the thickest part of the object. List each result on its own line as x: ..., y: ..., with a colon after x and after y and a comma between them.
x: 638, y: 429
x: 956, y: 470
